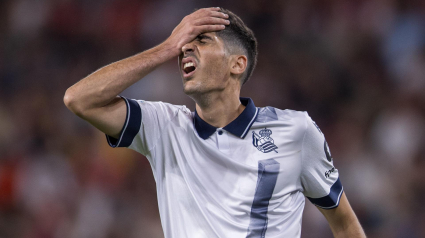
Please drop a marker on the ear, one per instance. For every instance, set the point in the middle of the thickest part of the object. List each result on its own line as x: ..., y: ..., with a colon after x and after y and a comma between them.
x: 238, y: 64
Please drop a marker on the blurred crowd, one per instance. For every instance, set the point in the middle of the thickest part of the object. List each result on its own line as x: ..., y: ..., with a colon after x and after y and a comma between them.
x: 356, y: 66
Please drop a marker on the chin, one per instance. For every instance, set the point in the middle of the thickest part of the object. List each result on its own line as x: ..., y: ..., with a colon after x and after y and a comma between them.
x: 190, y: 91
x: 191, y: 87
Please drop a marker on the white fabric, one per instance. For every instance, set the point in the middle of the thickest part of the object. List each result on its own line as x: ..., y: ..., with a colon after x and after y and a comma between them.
x: 206, y: 188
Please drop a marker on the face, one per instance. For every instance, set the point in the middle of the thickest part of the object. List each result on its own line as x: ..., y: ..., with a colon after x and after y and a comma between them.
x: 204, y: 65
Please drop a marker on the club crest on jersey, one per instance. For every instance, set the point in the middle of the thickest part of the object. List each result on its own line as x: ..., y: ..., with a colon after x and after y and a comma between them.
x: 264, y: 142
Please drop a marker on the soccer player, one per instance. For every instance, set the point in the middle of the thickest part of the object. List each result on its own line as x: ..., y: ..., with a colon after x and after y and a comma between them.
x: 229, y: 169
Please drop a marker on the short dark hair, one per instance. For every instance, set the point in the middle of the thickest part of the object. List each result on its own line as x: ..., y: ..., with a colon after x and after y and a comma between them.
x: 238, y: 35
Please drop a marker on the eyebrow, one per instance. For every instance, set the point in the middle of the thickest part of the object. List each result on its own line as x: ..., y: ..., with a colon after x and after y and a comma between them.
x: 202, y: 36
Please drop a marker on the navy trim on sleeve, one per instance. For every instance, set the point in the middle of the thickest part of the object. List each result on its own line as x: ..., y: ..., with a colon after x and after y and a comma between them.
x: 131, y: 126
x: 332, y: 199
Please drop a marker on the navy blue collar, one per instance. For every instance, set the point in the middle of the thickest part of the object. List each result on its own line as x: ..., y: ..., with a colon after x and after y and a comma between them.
x: 238, y: 127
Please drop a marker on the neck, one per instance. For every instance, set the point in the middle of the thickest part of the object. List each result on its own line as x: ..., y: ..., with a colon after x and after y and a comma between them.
x: 219, y: 109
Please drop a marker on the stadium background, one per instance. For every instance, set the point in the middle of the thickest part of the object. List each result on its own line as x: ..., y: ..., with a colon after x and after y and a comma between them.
x: 357, y: 67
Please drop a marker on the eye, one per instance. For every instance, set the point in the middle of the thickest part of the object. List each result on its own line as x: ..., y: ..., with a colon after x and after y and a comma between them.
x: 201, y: 39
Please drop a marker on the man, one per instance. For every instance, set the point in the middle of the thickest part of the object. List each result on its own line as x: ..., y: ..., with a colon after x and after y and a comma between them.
x: 229, y: 169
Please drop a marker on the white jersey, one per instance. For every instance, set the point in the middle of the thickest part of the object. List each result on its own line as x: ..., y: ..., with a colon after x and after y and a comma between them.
x: 247, y: 179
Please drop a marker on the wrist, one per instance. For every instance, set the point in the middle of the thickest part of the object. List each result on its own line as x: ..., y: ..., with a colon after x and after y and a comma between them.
x: 173, y: 49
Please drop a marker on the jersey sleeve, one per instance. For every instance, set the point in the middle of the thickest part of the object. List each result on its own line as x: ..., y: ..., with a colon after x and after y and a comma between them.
x: 144, y: 124
x: 319, y: 177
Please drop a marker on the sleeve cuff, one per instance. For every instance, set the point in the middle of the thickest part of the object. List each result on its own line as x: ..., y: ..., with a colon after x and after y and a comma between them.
x: 332, y: 199
x: 131, y: 126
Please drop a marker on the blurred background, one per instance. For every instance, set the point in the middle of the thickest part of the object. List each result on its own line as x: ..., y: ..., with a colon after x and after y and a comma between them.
x: 357, y: 67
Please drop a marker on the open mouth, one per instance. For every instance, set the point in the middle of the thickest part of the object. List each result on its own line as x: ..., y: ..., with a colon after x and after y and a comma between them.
x: 189, y: 67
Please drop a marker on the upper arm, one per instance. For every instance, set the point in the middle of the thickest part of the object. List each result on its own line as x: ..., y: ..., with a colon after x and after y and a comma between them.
x: 320, y: 180
x: 144, y: 124
x: 108, y: 119
x: 343, y: 220
x: 319, y: 177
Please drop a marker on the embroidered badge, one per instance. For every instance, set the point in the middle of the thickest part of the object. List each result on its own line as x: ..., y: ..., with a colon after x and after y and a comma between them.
x: 264, y: 142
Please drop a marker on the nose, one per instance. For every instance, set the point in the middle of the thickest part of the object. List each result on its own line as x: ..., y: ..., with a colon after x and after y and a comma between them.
x: 188, y: 48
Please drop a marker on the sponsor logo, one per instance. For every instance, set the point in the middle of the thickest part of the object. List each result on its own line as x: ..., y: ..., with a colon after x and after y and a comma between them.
x: 328, y: 173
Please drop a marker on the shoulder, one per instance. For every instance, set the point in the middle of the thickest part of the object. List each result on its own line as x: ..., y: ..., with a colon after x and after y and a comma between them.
x: 288, y: 122
x: 270, y: 114
x: 163, y: 106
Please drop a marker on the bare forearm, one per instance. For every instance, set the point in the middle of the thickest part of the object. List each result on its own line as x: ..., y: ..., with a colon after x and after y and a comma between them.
x: 94, y: 98
x: 101, y: 87
x: 343, y: 220
x: 352, y: 230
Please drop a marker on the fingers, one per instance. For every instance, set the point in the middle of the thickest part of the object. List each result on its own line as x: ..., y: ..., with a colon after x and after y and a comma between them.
x: 201, y: 21
x: 209, y: 28
x: 211, y: 21
x: 209, y: 12
x: 218, y: 14
x: 209, y: 9
x: 216, y: 9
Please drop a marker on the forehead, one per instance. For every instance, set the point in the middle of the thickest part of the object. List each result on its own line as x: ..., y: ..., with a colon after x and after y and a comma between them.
x: 216, y: 42
x: 213, y: 36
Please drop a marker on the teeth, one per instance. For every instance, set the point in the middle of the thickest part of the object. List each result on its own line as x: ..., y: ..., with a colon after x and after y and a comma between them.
x: 189, y: 64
